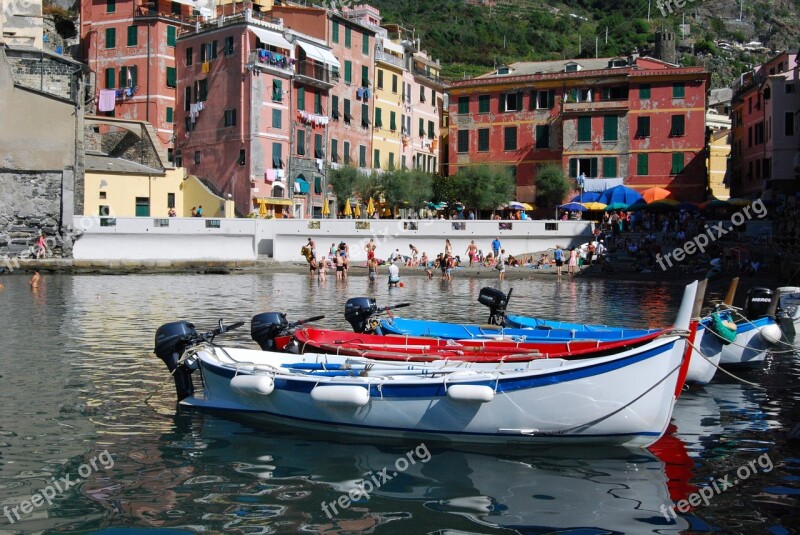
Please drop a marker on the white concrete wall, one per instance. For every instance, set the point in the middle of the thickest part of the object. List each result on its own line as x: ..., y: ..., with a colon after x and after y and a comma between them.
x: 282, y: 239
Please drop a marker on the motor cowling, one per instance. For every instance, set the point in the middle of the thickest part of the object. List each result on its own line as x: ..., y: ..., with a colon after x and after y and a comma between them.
x: 171, y: 341
x: 497, y: 302
x: 265, y: 327
x: 358, y: 311
x: 757, y: 303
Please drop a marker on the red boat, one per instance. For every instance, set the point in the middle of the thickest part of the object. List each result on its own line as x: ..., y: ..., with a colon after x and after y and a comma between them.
x: 417, y: 348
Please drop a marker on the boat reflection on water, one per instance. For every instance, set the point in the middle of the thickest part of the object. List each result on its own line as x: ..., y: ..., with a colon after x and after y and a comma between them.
x: 282, y: 481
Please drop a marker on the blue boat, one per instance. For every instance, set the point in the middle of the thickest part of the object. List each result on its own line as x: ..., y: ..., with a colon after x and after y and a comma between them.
x: 459, y: 331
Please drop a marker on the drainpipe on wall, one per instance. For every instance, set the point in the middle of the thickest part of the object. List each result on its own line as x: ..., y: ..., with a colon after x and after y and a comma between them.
x: 147, y: 101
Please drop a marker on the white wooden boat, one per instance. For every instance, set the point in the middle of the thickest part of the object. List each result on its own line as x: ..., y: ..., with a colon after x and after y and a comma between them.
x: 623, y: 399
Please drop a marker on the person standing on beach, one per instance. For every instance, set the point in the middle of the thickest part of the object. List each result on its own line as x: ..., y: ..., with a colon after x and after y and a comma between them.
x: 573, y: 261
x: 321, y: 265
x: 558, y: 256
x: 313, y: 247
x: 501, y: 264
x: 496, y: 246
x: 448, y: 248
x: 371, y: 249
x: 472, y: 252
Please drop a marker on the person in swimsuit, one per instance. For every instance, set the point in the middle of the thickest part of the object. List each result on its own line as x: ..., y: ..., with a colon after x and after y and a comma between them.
x: 339, y: 267
x: 372, y: 267
x: 472, y: 252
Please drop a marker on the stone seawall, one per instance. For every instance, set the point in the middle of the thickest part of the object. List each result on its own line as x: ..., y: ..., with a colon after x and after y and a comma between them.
x: 31, y: 204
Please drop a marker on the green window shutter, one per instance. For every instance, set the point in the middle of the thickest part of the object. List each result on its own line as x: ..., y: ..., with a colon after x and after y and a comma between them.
x: 123, y: 76
x: 422, y: 128
x: 644, y: 91
x: 347, y: 36
x: 585, y: 128
x: 483, y: 140
x: 277, y: 156
x: 171, y: 77
x: 391, y: 161
x: 111, y: 38
x: 463, y: 105
x: 362, y: 156
x: 171, y: 35
x: 169, y: 115
x: 678, y: 90
x: 277, y: 90
x: 573, y: 167
x: 318, y: 103
x: 543, y: 136
x: 392, y: 121
x: 365, y: 45
x: 378, y: 119
x: 677, y: 163
x: 133, y: 35
x: 380, y: 78
x: 347, y: 108
x: 365, y: 75
x: 678, y: 125
x: 551, y: 99
x: 348, y: 72
x: 610, y: 131
x: 605, y: 93
x: 609, y: 167
x: 510, y: 138
x: 317, y: 185
x: 301, y: 142
x: 318, y: 146
x: 431, y: 128
x: 463, y: 141
x: 346, y: 152
x: 642, y: 167
x: 134, y: 73
x: 334, y: 150
x: 376, y: 159
x: 276, y: 118
x: 335, y: 32
x: 483, y: 104
x: 593, y: 167
x: 110, y: 75
x: 111, y: 6
x: 301, y: 98
x: 365, y: 115
x: 335, y: 106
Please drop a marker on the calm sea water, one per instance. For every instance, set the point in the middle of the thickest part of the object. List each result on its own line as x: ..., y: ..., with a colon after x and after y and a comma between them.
x: 86, y: 405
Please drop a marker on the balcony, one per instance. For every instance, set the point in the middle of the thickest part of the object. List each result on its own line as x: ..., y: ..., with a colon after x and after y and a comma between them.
x: 389, y: 59
x: 151, y: 12
x: 256, y: 61
x: 596, y: 106
x: 440, y: 83
x: 316, y: 74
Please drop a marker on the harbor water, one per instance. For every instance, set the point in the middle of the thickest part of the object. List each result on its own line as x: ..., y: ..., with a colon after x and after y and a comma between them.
x: 91, y: 439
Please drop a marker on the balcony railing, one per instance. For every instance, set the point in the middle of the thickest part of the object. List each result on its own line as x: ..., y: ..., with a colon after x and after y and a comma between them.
x: 597, y: 105
x: 389, y: 58
x: 254, y: 58
x: 152, y: 12
x: 316, y: 71
x: 431, y: 77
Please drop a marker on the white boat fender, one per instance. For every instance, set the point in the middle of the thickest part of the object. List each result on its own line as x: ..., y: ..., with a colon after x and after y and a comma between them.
x: 771, y: 333
x: 480, y: 393
x: 253, y: 384
x: 341, y: 395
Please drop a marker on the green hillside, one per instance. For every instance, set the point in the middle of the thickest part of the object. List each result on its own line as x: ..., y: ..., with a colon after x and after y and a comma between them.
x: 471, y: 38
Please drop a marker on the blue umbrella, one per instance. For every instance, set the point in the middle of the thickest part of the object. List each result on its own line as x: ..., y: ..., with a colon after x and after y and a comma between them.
x: 587, y: 196
x: 573, y: 207
x: 620, y: 194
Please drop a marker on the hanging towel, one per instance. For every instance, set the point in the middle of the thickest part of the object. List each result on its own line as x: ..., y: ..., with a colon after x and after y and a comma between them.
x: 366, y: 93
x: 107, y: 100
x: 206, y: 66
x: 360, y: 92
x: 271, y: 175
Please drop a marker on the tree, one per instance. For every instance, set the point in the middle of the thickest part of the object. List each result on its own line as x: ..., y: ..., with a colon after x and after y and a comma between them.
x: 344, y: 181
x: 408, y: 188
x: 483, y: 187
x: 552, y: 184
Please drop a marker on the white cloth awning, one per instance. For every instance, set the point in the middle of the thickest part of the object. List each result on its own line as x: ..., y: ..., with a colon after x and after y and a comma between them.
x: 319, y: 54
x: 271, y: 38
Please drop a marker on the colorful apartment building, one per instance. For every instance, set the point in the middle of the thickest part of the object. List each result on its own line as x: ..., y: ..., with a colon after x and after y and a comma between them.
x: 637, y: 119
x: 129, y: 45
x: 766, y: 136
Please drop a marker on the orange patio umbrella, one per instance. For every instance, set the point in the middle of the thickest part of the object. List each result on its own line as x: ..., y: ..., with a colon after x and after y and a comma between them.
x: 651, y: 195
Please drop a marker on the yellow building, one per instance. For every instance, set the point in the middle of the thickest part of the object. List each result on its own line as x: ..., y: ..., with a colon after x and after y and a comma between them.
x: 387, y: 139
x: 128, y: 175
x: 719, y: 151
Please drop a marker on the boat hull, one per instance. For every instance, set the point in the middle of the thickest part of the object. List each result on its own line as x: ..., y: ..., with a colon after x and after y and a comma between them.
x: 748, y: 348
x: 597, y: 401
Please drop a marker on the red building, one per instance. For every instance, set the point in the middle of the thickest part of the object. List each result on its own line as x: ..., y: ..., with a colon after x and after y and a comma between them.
x: 129, y: 45
x: 636, y: 119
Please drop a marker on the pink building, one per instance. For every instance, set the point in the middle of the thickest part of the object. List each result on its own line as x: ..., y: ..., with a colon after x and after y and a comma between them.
x: 129, y: 45
x: 251, y: 117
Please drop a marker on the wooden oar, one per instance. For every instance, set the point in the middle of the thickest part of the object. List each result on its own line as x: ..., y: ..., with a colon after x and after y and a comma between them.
x: 731, y: 291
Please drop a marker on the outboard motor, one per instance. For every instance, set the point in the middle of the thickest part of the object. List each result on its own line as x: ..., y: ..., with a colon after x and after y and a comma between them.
x: 358, y: 311
x: 265, y: 327
x: 497, y: 302
x: 172, y: 339
x: 757, y: 303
